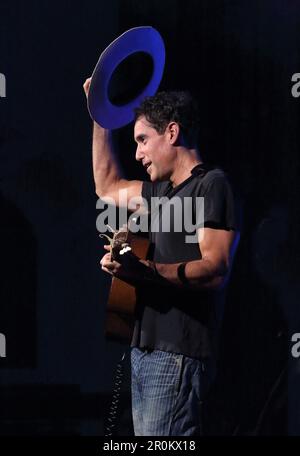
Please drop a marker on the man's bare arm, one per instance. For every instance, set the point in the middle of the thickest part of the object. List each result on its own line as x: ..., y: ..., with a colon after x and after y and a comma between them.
x: 107, y: 176
x: 212, y: 270
x: 108, y: 180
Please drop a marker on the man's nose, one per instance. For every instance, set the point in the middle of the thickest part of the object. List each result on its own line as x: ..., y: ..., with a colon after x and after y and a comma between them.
x: 138, y: 154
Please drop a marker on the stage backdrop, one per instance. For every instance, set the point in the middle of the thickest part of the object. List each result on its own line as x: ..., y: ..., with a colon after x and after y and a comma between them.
x: 238, y: 58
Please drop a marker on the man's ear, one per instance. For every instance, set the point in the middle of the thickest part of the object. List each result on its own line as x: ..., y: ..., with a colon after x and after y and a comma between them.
x: 174, y: 132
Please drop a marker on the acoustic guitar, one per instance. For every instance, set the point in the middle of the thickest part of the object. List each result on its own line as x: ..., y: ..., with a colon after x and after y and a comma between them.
x: 125, y: 248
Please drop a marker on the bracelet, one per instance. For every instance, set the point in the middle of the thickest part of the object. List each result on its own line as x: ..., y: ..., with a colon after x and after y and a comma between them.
x: 181, y: 274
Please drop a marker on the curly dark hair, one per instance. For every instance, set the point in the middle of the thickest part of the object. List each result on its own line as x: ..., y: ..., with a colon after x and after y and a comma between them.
x: 165, y: 107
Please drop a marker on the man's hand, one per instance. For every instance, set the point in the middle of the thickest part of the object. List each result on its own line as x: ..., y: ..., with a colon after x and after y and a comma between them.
x: 109, y: 265
x: 86, y: 86
x: 132, y: 271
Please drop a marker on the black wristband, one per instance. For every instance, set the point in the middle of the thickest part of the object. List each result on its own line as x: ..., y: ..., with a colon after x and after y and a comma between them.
x: 181, y: 274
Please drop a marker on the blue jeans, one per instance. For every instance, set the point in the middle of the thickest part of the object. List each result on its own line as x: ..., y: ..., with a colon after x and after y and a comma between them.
x: 167, y: 392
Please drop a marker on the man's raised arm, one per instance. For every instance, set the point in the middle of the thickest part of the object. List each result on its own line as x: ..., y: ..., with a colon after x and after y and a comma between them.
x: 107, y: 177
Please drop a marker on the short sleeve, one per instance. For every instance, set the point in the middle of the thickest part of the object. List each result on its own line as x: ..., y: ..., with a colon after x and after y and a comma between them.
x: 221, y: 208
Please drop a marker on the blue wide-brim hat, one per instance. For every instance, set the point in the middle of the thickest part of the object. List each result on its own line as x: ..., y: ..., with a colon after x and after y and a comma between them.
x: 138, y: 39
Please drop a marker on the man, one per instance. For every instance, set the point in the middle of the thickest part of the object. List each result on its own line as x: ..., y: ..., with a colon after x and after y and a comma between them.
x: 174, y: 345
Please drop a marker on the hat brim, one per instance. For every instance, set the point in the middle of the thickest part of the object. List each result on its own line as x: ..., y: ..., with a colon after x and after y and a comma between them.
x: 138, y: 39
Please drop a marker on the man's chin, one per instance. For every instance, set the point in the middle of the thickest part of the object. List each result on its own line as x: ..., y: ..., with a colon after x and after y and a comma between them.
x: 154, y: 178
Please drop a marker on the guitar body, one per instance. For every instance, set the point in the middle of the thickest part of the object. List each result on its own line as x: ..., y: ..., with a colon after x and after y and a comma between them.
x: 122, y: 300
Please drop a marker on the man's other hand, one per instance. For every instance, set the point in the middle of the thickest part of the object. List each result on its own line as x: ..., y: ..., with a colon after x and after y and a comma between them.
x: 86, y: 86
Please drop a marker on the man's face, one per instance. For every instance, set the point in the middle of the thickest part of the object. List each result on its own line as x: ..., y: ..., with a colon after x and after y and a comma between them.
x: 153, y: 150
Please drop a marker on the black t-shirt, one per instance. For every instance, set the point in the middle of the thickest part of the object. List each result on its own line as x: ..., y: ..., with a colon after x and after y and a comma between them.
x: 170, y: 318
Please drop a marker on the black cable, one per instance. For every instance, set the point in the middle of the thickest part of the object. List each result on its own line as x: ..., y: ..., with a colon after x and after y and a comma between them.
x: 111, y: 421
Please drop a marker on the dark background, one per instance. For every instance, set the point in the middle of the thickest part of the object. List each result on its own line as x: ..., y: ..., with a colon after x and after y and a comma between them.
x: 237, y: 58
